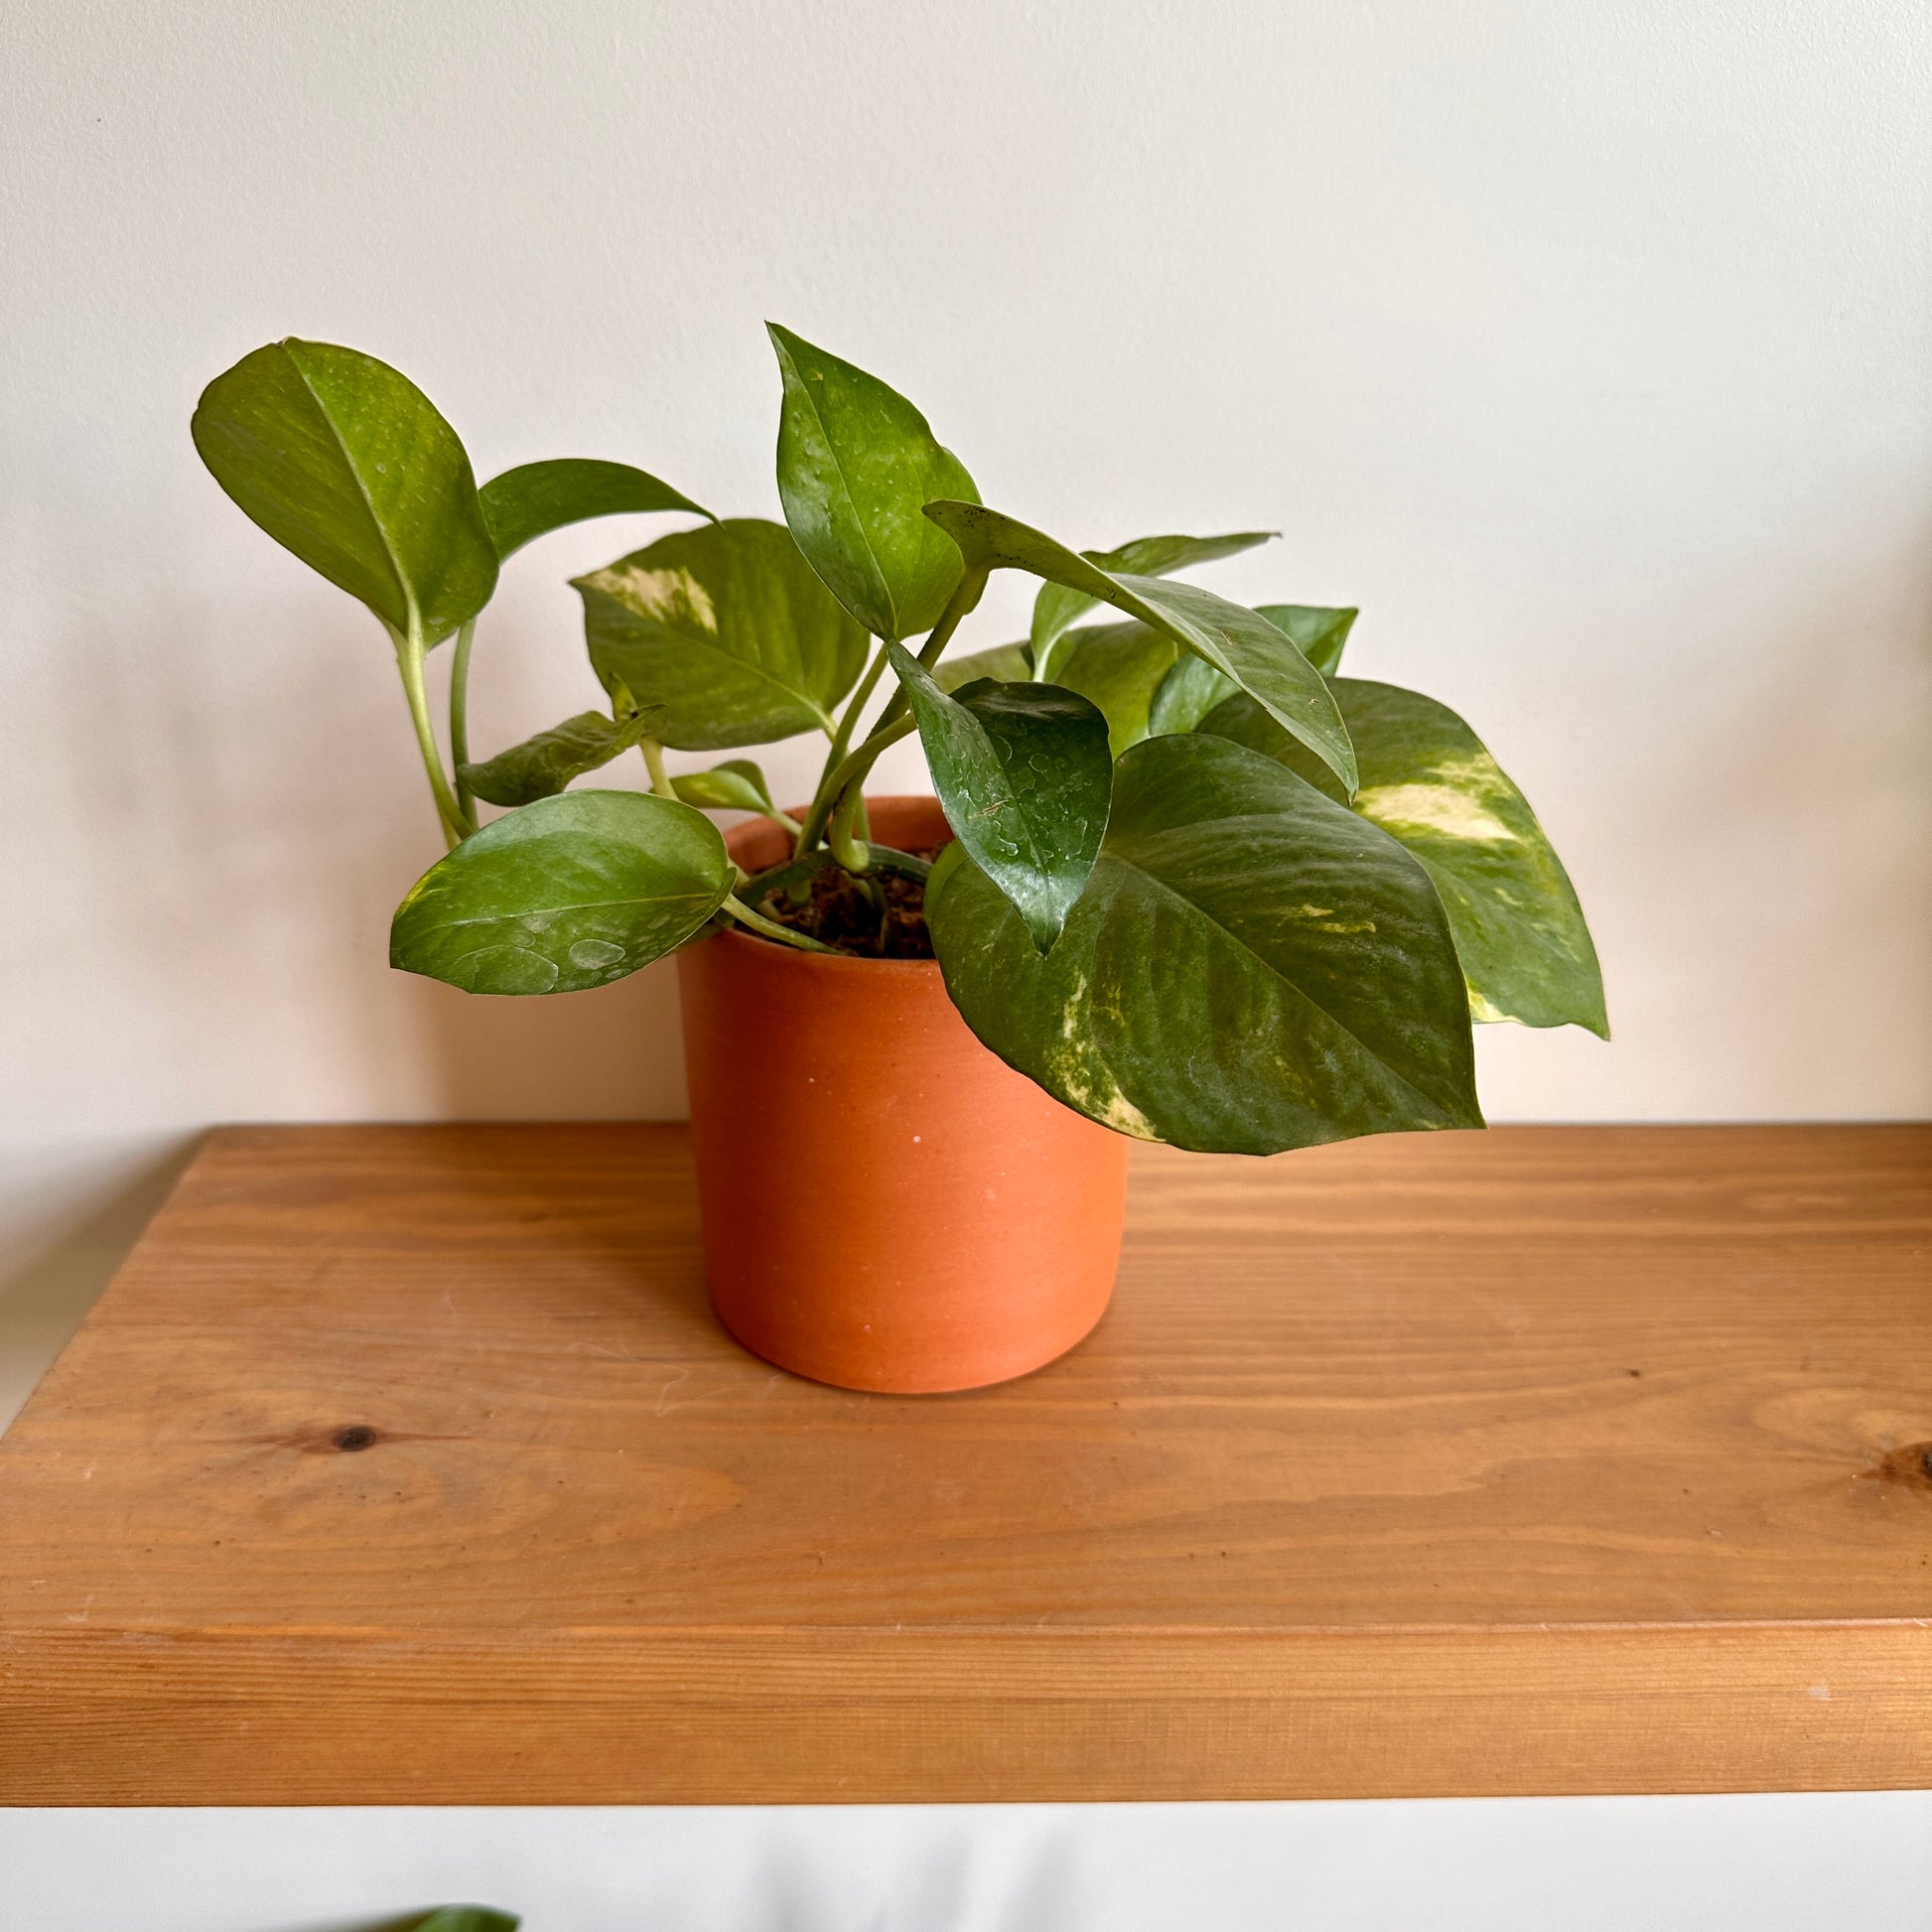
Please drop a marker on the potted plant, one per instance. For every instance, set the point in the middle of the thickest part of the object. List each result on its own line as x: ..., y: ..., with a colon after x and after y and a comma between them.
x: 1182, y: 882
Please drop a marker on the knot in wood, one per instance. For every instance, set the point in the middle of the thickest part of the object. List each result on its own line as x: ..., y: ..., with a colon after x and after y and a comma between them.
x: 1910, y: 1463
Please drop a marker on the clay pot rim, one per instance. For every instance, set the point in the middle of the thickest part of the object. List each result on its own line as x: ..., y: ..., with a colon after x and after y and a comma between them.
x: 836, y: 962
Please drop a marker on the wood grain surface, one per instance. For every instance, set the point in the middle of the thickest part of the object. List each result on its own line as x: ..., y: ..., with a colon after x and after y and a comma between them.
x: 406, y: 1464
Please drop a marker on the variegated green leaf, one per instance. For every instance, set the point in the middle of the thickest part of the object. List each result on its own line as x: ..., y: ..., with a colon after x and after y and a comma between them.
x: 1428, y: 781
x: 725, y: 630
x: 1251, y: 967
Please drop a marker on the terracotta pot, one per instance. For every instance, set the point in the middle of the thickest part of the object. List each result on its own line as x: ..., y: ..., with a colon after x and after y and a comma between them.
x: 886, y: 1204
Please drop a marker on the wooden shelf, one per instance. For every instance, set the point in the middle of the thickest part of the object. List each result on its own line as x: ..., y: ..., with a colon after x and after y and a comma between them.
x: 406, y: 1464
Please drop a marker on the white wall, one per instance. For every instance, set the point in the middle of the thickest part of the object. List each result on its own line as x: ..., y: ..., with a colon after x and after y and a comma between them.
x: 1821, y: 1863
x: 1584, y: 346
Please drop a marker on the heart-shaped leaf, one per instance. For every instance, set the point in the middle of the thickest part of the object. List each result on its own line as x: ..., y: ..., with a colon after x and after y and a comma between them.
x: 543, y: 766
x: 1429, y: 781
x: 1120, y: 667
x: 727, y: 631
x: 1058, y: 607
x: 1251, y: 967
x: 1009, y: 663
x: 570, y: 892
x: 1319, y: 632
x: 343, y: 461
x: 535, y: 498
x: 737, y: 785
x: 1023, y: 776
x: 1234, y: 639
x: 857, y: 462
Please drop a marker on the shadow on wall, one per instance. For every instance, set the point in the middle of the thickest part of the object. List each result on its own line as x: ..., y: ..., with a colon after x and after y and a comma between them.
x: 614, y: 1053
x: 267, y: 820
x: 43, y: 1297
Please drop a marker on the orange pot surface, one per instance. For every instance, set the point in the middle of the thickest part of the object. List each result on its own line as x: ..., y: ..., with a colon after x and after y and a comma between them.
x: 886, y: 1204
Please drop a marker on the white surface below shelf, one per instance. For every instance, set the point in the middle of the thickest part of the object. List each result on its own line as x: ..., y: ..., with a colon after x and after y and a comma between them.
x: 1831, y: 1862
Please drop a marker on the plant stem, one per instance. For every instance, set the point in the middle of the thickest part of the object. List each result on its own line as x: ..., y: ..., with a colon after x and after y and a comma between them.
x: 843, y: 768
x: 854, y: 765
x: 966, y: 596
x: 842, y: 833
x: 842, y: 738
x: 409, y: 661
x: 660, y: 780
x: 460, y: 719
x: 735, y: 907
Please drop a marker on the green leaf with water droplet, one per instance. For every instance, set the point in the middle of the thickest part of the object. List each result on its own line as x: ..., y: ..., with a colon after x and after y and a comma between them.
x: 344, y: 461
x: 1429, y: 781
x: 571, y: 893
x: 857, y: 462
x: 1023, y: 776
x: 724, y: 632
x: 1251, y: 967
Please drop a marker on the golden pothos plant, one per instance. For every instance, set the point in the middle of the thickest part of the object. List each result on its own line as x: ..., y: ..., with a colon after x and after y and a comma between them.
x: 1203, y: 888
